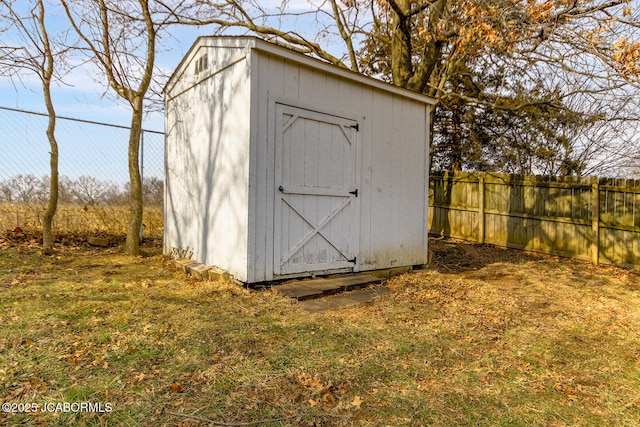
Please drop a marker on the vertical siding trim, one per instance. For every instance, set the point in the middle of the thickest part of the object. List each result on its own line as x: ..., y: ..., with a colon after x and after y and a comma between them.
x: 252, y: 202
x: 427, y: 171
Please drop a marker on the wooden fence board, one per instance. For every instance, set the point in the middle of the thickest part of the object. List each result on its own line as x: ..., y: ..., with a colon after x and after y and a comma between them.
x: 588, y: 218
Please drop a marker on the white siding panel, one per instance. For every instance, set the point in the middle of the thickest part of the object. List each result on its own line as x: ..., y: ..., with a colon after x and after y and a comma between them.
x: 360, y: 99
x: 264, y: 82
x: 207, y: 170
x: 383, y: 199
x: 257, y: 178
x: 291, y: 84
x: 398, y: 183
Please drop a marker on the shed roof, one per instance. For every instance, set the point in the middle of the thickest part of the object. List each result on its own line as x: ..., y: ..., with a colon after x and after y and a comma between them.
x: 252, y: 42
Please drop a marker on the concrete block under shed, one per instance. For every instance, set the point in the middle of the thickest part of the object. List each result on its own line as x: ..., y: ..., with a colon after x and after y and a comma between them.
x: 183, y: 263
x: 198, y: 270
x: 219, y: 275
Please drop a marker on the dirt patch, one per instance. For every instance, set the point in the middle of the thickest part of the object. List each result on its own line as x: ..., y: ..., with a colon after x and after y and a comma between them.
x: 526, y: 275
x: 26, y: 240
x: 455, y: 255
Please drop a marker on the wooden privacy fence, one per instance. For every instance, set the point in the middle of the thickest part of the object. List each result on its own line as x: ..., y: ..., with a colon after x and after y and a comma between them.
x: 594, y: 219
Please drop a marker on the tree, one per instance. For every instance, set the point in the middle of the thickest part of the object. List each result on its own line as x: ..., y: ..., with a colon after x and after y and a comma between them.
x: 575, y: 51
x: 533, y: 73
x: 153, y: 191
x: 25, y: 189
x: 419, y: 44
x: 121, y: 38
x: 6, y: 192
x: 538, y: 137
x: 90, y: 191
x: 35, y: 52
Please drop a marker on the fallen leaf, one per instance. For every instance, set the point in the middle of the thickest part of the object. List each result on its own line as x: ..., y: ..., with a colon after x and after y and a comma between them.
x: 328, y: 398
x: 312, y: 402
x: 357, y: 402
x: 99, y: 361
x: 176, y: 388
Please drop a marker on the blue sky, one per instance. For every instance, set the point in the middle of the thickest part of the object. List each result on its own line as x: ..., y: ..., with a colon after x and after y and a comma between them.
x: 85, y: 150
x: 82, y: 97
x: 89, y: 150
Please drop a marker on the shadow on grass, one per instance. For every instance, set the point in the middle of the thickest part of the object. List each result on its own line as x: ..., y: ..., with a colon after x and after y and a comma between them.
x: 452, y: 256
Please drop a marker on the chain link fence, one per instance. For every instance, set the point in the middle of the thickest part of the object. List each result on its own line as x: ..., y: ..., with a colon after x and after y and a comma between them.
x: 93, y: 175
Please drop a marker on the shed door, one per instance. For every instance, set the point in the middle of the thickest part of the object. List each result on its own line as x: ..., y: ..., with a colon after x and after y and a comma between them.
x: 316, y: 205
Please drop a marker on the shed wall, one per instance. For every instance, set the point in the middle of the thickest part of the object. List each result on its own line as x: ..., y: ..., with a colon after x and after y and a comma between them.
x: 391, y: 165
x: 207, y: 161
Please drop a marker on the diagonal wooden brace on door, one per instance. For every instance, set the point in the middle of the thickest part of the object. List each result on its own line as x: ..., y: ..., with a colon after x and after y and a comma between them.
x: 317, y: 229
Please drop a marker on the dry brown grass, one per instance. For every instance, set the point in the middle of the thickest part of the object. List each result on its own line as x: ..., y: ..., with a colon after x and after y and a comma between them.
x: 488, y: 337
x: 77, y: 219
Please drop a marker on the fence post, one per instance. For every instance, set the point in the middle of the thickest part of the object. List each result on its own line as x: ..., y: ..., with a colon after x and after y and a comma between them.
x: 595, y: 221
x: 481, y: 232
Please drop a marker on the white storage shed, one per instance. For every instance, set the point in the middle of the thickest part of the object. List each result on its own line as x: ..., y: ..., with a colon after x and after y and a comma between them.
x: 279, y: 165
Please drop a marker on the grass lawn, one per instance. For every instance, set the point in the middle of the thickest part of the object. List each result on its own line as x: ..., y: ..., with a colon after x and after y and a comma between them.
x: 487, y: 337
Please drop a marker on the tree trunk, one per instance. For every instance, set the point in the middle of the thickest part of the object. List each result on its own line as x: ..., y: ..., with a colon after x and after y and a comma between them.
x: 104, y: 42
x: 47, y: 74
x: 132, y: 244
x: 401, y: 65
x: 52, y: 205
x: 456, y: 138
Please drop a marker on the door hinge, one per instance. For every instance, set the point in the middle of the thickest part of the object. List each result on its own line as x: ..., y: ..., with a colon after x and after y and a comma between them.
x: 352, y: 261
x: 354, y: 192
x: 356, y: 127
